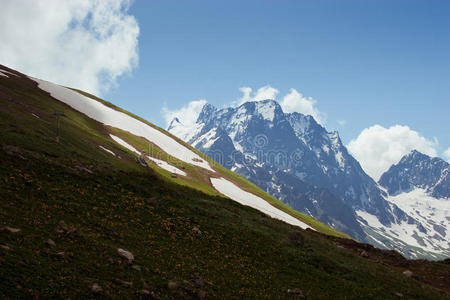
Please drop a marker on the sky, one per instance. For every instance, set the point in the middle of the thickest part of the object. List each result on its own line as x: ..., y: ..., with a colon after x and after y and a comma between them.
x: 377, y: 71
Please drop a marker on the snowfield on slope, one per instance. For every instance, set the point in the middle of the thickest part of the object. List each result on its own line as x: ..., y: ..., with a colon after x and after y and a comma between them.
x: 121, y: 142
x: 108, y: 116
x: 160, y: 163
x: 428, y: 232
x: 107, y: 150
x: 166, y: 166
x: 235, y: 193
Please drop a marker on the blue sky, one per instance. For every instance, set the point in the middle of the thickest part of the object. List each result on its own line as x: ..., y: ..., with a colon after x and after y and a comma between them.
x: 365, y: 62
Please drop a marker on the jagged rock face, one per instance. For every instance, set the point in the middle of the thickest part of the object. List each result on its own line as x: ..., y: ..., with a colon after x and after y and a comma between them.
x: 417, y: 170
x: 298, y: 161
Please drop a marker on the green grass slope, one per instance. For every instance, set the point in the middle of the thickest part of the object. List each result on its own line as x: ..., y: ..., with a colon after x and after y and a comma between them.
x: 143, y: 144
x: 188, y: 241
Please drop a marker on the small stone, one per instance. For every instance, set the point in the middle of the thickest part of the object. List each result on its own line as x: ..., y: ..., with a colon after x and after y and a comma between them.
x: 172, y: 285
x: 296, y: 292
x: 73, y: 232
x: 408, y: 273
x: 196, y: 230
x: 125, y: 283
x: 364, y: 254
x: 145, y: 292
x: 156, y: 271
x: 11, y: 230
x: 400, y: 295
x: 96, y: 289
x: 51, y: 243
x: 136, y: 267
x: 3, y: 246
x: 126, y: 254
x: 198, y: 282
x: 61, y: 254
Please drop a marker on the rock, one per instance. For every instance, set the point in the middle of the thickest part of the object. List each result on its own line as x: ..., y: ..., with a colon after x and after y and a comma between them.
x: 73, y: 232
x: 196, y: 230
x: 198, y: 282
x: 126, y: 254
x: 145, y: 292
x: 172, y: 285
x: 408, y: 273
x: 61, y: 254
x: 156, y: 271
x: 363, y: 253
x: 296, y: 292
x: 136, y: 267
x: 11, y: 230
x: 62, y: 226
x: 96, y: 289
x: 51, y: 243
x: 125, y: 283
x: 400, y: 295
x: 3, y: 246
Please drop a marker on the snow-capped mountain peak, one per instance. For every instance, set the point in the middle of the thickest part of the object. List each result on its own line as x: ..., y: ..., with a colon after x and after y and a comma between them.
x: 294, y: 158
x: 418, y: 170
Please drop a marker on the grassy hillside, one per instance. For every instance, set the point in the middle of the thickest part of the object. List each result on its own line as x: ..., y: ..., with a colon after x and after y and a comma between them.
x: 143, y: 144
x: 188, y: 241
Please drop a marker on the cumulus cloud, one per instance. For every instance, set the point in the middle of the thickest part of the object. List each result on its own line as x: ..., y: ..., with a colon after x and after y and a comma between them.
x: 263, y: 93
x: 446, y: 154
x: 187, y: 114
x: 377, y: 147
x: 296, y: 102
x: 81, y: 43
x: 291, y: 102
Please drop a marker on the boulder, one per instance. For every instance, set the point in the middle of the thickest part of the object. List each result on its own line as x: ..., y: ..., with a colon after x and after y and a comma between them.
x: 408, y: 273
x: 96, y: 289
x: 126, y: 254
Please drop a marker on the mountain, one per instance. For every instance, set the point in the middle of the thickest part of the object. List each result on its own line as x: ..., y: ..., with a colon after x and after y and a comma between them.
x: 111, y: 206
x: 418, y: 171
x: 420, y: 186
x: 295, y: 159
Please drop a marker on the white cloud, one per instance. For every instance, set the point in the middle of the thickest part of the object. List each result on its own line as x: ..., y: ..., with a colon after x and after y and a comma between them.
x: 187, y: 115
x: 263, y: 93
x: 296, y: 102
x: 446, y: 154
x: 377, y: 147
x: 292, y: 101
x: 81, y: 43
x: 341, y: 122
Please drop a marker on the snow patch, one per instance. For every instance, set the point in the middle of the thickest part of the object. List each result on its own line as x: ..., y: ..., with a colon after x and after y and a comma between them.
x: 232, y: 191
x: 266, y: 110
x: 108, y: 116
x: 166, y: 166
x: 121, y: 142
x: 107, y: 150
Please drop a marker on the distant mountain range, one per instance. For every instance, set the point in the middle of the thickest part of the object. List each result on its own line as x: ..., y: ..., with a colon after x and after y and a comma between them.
x: 292, y: 157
